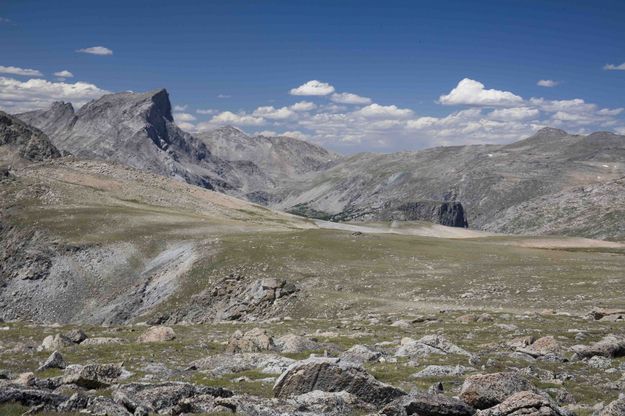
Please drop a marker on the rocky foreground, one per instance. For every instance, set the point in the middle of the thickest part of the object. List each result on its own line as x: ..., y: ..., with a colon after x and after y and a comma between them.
x: 447, y: 363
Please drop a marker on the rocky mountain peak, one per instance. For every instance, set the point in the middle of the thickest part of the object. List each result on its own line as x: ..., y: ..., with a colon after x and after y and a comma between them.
x: 30, y: 143
x: 550, y: 132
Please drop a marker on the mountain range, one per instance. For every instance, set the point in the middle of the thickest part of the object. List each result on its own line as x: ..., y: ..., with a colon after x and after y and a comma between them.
x: 550, y: 183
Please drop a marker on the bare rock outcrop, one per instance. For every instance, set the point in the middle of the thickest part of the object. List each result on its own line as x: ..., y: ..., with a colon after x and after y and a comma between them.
x: 333, y: 375
x: 486, y: 390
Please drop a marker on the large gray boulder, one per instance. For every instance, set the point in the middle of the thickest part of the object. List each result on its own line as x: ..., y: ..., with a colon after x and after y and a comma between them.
x: 220, y: 364
x: 334, y: 375
x: 92, y: 376
x: 610, y: 346
x: 525, y: 403
x: 486, y: 390
x: 429, y: 344
x: 616, y: 408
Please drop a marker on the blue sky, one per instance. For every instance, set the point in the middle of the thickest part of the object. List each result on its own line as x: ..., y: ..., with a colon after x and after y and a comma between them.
x: 233, y: 57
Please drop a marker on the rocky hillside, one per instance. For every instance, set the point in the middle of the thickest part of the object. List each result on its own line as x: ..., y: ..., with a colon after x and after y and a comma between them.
x: 487, y: 180
x: 21, y: 141
x: 279, y: 157
x: 138, y: 130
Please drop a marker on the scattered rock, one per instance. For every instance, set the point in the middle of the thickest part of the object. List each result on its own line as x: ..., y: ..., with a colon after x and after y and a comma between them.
x: 525, y: 403
x: 296, y: 344
x: 255, y: 340
x: 443, y: 371
x: 166, y: 398
x: 610, y: 346
x: 76, y: 336
x: 429, y: 344
x: 221, y: 364
x: 486, y: 390
x: 54, y: 342
x: 92, y: 376
x: 521, y: 342
x: 157, y: 334
x: 102, y: 341
x: 27, y: 396
x: 616, y: 408
x: 322, y: 402
x: 542, y: 347
x: 422, y: 404
x: 599, y: 362
x: 332, y: 374
x: 603, y: 314
x: 361, y: 354
x: 55, y: 360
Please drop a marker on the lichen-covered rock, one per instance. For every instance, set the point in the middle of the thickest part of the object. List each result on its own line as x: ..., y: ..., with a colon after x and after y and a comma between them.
x: 429, y: 344
x: 616, y: 408
x: 333, y: 375
x: 442, y: 371
x: 255, y: 340
x: 28, y: 396
x: 486, y: 390
x: 420, y: 404
x: 165, y: 398
x: 157, y: 334
x: 296, y: 343
x: 54, y: 342
x: 92, y: 376
x: 76, y: 335
x: 361, y: 354
x: 525, y: 403
x: 610, y: 346
x: 102, y: 341
x: 542, y: 347
x: 55, y: 360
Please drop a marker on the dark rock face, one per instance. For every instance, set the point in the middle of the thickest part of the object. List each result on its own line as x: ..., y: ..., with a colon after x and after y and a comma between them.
x: 30, y: 143
x: 445, y: 213
x: 333, y: 375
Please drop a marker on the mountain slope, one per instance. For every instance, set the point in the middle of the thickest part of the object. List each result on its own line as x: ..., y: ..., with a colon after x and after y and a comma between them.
x: 486, y: 179
x: 280, y: 158
x: 21, y: 141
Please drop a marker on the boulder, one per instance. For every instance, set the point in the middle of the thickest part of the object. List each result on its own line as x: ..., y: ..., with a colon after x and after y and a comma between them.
x: 610, y: 346
x: 54, y: 342
x: 333, y: 375
x: 361, y: 354
x: 423, y: 404
x: 429, y: 344
x: 157, y: 334
x: 486, y: 390
x: 542, y: 347
x: 92, y: 376
x: 525, y: 403
x: 27, y: 396
x: 76, y: 336
x: 255, y: 340
x: 604, y: 314
x: 167, y: 397
x: 321, y: 402
x: 616, y: 408
x: 296, y: 344
x: 102, y: 341
x: 55, y: 360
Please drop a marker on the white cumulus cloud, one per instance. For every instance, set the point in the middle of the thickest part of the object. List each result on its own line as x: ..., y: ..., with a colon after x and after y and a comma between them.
x: 206, y: 111
x: 17, y: 96
x: 96, y: 50
x: 184, y: 117
x: 547, y: 83
x: 514, y: 113
x: 313, y: 87
x: 273, y: 113
x: 471, y: 92
x: 349, y: 98
x: 303, y: 106
x: 14, y: 70
x: 611, y: 67
x: 64, y: 74
x: 378, y: 111
x: 228, y: 117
